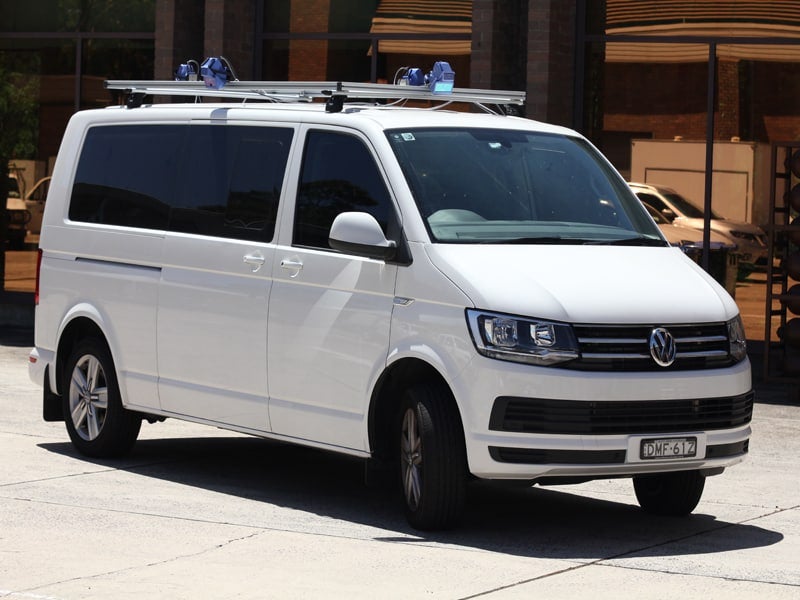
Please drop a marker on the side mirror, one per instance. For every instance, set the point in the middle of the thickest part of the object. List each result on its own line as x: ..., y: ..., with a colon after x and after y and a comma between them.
x: 359, y: 233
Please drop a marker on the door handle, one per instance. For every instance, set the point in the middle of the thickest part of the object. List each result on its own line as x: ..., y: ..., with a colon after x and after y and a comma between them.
x: 295, y: 265
x: 255, y: 261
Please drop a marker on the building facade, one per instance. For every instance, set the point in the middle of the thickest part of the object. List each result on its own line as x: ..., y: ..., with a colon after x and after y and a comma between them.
x: 616, y: 70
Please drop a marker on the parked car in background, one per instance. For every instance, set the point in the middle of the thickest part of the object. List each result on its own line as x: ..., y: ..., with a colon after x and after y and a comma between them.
x: 750, y: 240
x: 34, y: 203
x: 18, y: 216
x: 686, y: 236
x: 723, y: 260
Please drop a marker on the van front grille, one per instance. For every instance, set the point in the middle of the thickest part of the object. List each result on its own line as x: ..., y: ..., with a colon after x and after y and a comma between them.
x: 626, y: 348
x: 594, y: 417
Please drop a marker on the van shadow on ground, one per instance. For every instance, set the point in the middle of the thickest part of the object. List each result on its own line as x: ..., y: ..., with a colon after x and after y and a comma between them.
x: 530, y: 522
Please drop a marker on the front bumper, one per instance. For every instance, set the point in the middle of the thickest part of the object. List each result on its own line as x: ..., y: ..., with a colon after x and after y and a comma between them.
x: 563, y: 450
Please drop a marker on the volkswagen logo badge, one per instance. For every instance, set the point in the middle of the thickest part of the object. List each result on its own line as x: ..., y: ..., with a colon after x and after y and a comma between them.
x: 662, y: 347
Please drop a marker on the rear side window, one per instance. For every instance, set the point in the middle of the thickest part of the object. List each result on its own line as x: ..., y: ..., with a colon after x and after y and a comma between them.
x: 235, y: 180
x: 126, y: 175
x: 339, y: 175
x: 214, y: 180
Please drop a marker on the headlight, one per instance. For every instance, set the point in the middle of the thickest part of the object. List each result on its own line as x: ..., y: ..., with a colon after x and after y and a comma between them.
x: 737, y: 339
x: 532, y: 341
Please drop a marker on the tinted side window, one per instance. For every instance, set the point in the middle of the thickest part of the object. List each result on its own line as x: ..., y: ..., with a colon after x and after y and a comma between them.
x: 234, y: 183
x: 125, y: 175
x: 339, y: 175
x: 206, y: 179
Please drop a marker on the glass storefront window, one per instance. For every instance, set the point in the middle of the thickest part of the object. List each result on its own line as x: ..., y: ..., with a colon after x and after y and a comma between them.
x: 362, y: 40
x: 349, y: 16
x: 759, y: 92
x: 112, y: 59
x: 641, y: 93
x: 77, y: 15
x: 64, y: 50
x: 276, y: 16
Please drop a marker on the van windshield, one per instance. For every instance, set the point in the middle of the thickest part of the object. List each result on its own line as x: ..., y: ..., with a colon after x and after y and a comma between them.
x: 510, y: 186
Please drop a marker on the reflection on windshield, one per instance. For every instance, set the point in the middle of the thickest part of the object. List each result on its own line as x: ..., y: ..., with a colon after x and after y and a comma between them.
x: 508, y: 186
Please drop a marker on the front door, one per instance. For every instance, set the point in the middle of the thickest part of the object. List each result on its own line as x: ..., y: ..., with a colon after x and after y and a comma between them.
x: 330, y: 312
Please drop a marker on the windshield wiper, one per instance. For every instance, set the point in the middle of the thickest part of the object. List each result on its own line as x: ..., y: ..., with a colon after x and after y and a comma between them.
x: 634, y: 241
x: 538, y: 240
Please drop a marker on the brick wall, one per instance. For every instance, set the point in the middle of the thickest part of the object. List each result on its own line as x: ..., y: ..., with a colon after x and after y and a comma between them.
x: 308, y: 58
x: 726, y: 118
x: 755, y: 101
x: 663, y: 100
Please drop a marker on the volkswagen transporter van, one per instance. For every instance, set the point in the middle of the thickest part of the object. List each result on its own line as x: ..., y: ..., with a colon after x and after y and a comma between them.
x: 449, y: 295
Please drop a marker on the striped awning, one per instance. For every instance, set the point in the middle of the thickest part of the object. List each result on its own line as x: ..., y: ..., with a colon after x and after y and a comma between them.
x: 424, y: 17
x: 703, y: 18
x: 638, y: 13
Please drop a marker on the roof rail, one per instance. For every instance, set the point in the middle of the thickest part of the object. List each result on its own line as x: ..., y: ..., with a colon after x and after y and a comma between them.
x: 335, y: 92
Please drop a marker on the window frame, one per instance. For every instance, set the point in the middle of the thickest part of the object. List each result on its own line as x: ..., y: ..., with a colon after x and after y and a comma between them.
x: 393, y: 227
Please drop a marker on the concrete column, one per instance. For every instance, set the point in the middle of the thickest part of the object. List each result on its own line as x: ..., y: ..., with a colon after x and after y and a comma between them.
x: 230, y: 31
x: 179, y: 35
x: 498, y: 45
x: 728, y: 100
x: 551, y: 60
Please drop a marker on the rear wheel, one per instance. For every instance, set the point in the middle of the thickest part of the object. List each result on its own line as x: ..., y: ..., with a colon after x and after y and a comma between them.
x: 97, y: 423
x: 432, y: 458
x: 673, y: 494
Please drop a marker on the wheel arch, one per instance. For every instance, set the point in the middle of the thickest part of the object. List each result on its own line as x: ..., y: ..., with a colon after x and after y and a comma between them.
x: 79, y: 327
x: 387, y: 395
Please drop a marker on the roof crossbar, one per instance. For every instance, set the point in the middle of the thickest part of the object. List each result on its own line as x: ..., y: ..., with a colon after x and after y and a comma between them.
x: 335, y: 92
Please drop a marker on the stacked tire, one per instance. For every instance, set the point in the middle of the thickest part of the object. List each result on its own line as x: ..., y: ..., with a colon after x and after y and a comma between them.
x: 790, y: 332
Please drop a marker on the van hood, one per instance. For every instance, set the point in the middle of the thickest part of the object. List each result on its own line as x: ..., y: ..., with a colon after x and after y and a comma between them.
x: 585, y: 284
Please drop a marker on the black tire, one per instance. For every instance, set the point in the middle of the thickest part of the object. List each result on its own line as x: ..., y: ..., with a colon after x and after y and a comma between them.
x: 97, y: 423
x: 433, y: 466
x: 672, y: 494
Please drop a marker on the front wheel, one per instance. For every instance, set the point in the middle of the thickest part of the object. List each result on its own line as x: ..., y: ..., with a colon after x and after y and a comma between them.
x: 432, y: 458
x: 672, y: 494
x: 97, y: 423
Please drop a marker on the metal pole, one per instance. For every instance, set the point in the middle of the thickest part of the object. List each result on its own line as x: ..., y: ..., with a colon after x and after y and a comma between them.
x: 712, y: 69
x: 579, y: 77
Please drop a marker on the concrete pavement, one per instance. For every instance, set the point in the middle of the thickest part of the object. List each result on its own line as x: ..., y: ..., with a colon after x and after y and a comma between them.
x: 195, y: 512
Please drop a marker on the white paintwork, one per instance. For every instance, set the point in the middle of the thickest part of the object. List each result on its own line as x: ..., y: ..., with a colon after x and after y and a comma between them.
x: 212, y: 330
x: 289, y: 342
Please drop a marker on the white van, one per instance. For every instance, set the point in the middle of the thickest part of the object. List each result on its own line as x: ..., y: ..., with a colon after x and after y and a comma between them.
x: 447, y: 294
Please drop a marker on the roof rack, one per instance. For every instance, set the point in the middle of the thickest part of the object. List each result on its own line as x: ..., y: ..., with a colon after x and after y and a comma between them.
x: 335, y: 92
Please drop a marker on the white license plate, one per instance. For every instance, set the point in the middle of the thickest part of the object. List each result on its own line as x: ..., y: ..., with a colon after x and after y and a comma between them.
x: 653, y: 449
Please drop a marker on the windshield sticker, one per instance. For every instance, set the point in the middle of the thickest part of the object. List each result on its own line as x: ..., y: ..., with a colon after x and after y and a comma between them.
x: 408, y: 137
